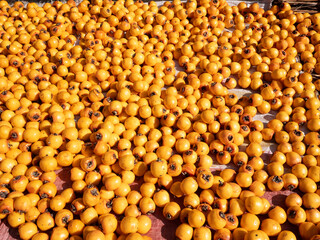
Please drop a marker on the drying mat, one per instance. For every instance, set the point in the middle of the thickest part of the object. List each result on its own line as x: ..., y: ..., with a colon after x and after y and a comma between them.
x: 162, y: 228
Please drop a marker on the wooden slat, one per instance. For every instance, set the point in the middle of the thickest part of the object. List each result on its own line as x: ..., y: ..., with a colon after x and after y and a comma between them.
x: 301, y: 5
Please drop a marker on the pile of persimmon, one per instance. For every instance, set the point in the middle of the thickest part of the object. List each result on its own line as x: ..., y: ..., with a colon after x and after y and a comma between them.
x: 120, y: 92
